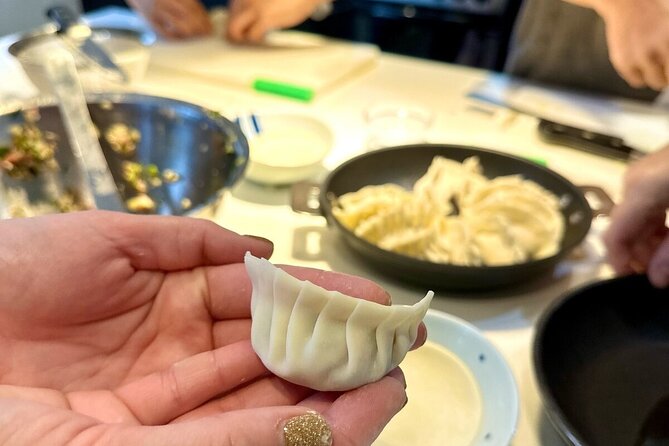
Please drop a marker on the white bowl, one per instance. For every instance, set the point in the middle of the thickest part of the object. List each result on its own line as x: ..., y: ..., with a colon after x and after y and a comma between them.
x: 457, y: 358
x: 289, y: 148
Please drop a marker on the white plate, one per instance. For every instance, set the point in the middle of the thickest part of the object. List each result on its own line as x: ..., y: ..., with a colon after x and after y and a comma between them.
x: 461, y: 390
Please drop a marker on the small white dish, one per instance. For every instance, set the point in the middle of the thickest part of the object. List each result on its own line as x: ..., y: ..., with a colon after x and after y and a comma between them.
x: 461, y: 390
x: 289, y: 147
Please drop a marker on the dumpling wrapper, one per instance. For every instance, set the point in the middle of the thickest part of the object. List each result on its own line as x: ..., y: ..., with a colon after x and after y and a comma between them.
x: 323, y: 339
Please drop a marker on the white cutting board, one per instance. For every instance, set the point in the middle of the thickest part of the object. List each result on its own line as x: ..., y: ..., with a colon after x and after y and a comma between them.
x: 292, y: 57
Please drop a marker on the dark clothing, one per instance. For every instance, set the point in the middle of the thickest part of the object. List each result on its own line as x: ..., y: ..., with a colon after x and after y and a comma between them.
x: 564, y: 44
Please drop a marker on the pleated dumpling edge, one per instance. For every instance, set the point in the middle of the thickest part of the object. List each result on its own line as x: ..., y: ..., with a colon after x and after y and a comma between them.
x: 324, y: 339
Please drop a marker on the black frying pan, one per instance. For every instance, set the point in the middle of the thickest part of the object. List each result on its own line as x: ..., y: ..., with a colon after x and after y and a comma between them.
x: 601, y: 357
x: 404, y: 165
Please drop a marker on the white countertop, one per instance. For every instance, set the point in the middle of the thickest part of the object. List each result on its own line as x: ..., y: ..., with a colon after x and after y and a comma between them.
x: 506, y: 318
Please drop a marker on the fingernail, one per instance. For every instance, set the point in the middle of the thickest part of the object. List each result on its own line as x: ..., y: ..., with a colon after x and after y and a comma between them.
x: 309, y: 429
x: 262, y: 239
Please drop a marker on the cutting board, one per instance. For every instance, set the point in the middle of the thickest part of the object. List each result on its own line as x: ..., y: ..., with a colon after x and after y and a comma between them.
x: 292, y: 57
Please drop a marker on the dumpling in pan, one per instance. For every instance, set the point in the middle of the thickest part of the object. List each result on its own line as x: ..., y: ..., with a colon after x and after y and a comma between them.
x: 323, y: 339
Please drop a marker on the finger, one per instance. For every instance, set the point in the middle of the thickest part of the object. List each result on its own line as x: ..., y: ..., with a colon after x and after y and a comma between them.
x: 238, y: 24
x: 172, y: 24
x: 633, y: 235
x: 621, y: 61
x: 354, y: 423
x: 321, y: 401
x: 652, y: 68
x: 421, y: 336
x: 190, y: 16
x: 171, y: 243
x: 658, y: 268
x: 266, y: 392
x: 230, y: 288
x: 644, y: 247
x: 258, y: 427
x: 619, y: 237
x: 257, y: 31
x: 165, y: 395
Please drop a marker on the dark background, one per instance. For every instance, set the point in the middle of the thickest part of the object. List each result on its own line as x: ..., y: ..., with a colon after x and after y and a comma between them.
x: 468, y: 32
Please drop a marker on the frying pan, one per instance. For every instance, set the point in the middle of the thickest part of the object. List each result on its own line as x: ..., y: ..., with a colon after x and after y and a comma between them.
x: 403, y: 165
x: 207, y: 151
x: 601, y: 358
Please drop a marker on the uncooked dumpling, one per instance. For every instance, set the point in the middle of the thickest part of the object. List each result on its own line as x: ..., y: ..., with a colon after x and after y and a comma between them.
x: 323, y: 339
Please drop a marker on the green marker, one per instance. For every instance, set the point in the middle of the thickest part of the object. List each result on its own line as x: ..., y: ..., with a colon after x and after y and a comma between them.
x: 284, y: 89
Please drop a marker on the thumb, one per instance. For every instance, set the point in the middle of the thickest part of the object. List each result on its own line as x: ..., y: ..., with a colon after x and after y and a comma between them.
x: 259, y: 427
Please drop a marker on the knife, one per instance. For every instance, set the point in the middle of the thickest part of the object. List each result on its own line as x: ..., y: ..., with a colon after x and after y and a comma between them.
x: 69, y: 24
x: 586, y: 140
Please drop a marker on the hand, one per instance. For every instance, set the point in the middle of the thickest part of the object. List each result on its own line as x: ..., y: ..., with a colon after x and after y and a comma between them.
x: 250, y: 20
x: 637, y: 33
x: 637, y: 239
x: 174, y: 19
x: 135, y: 330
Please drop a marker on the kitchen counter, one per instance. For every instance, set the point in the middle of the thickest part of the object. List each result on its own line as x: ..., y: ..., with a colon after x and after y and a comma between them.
x: 508, y: 317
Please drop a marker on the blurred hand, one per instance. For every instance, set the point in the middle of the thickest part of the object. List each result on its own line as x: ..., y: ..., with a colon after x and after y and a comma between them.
x: 637, y: 239
x: 637, y: 32
x: 174, y: 19
x: 124, y: 329
x: 250, y: 20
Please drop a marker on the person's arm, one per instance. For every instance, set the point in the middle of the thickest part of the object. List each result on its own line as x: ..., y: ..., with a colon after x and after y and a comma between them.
x: 637, y: 33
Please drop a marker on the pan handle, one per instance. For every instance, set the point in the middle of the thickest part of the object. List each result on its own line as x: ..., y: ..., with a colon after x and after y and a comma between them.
x: 304, y: 198
x: 600, y: 202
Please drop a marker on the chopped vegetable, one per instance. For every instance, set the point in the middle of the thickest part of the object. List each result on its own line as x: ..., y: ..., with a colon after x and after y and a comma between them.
x: 141, y: 203
x: 122, y: 139
x: 30, y: 150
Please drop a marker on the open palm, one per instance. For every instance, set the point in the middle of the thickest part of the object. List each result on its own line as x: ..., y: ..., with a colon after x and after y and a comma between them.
x: 111, y: 322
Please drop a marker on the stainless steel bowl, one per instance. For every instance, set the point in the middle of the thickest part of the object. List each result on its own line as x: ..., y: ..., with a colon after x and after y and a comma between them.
x: 208, y: 152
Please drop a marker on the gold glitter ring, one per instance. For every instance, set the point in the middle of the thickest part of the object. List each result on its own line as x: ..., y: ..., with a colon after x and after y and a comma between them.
x: 309, y: 429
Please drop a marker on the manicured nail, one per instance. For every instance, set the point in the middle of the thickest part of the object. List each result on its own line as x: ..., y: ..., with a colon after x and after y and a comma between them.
x: 262, y: 239
x: 309, y: 429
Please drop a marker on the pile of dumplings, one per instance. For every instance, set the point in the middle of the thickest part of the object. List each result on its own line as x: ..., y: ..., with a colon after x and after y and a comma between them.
x: 456, y: 215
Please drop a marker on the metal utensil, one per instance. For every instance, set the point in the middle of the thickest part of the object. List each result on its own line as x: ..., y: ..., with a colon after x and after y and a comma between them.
x: 78, y: 34
x: 593, y: 142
